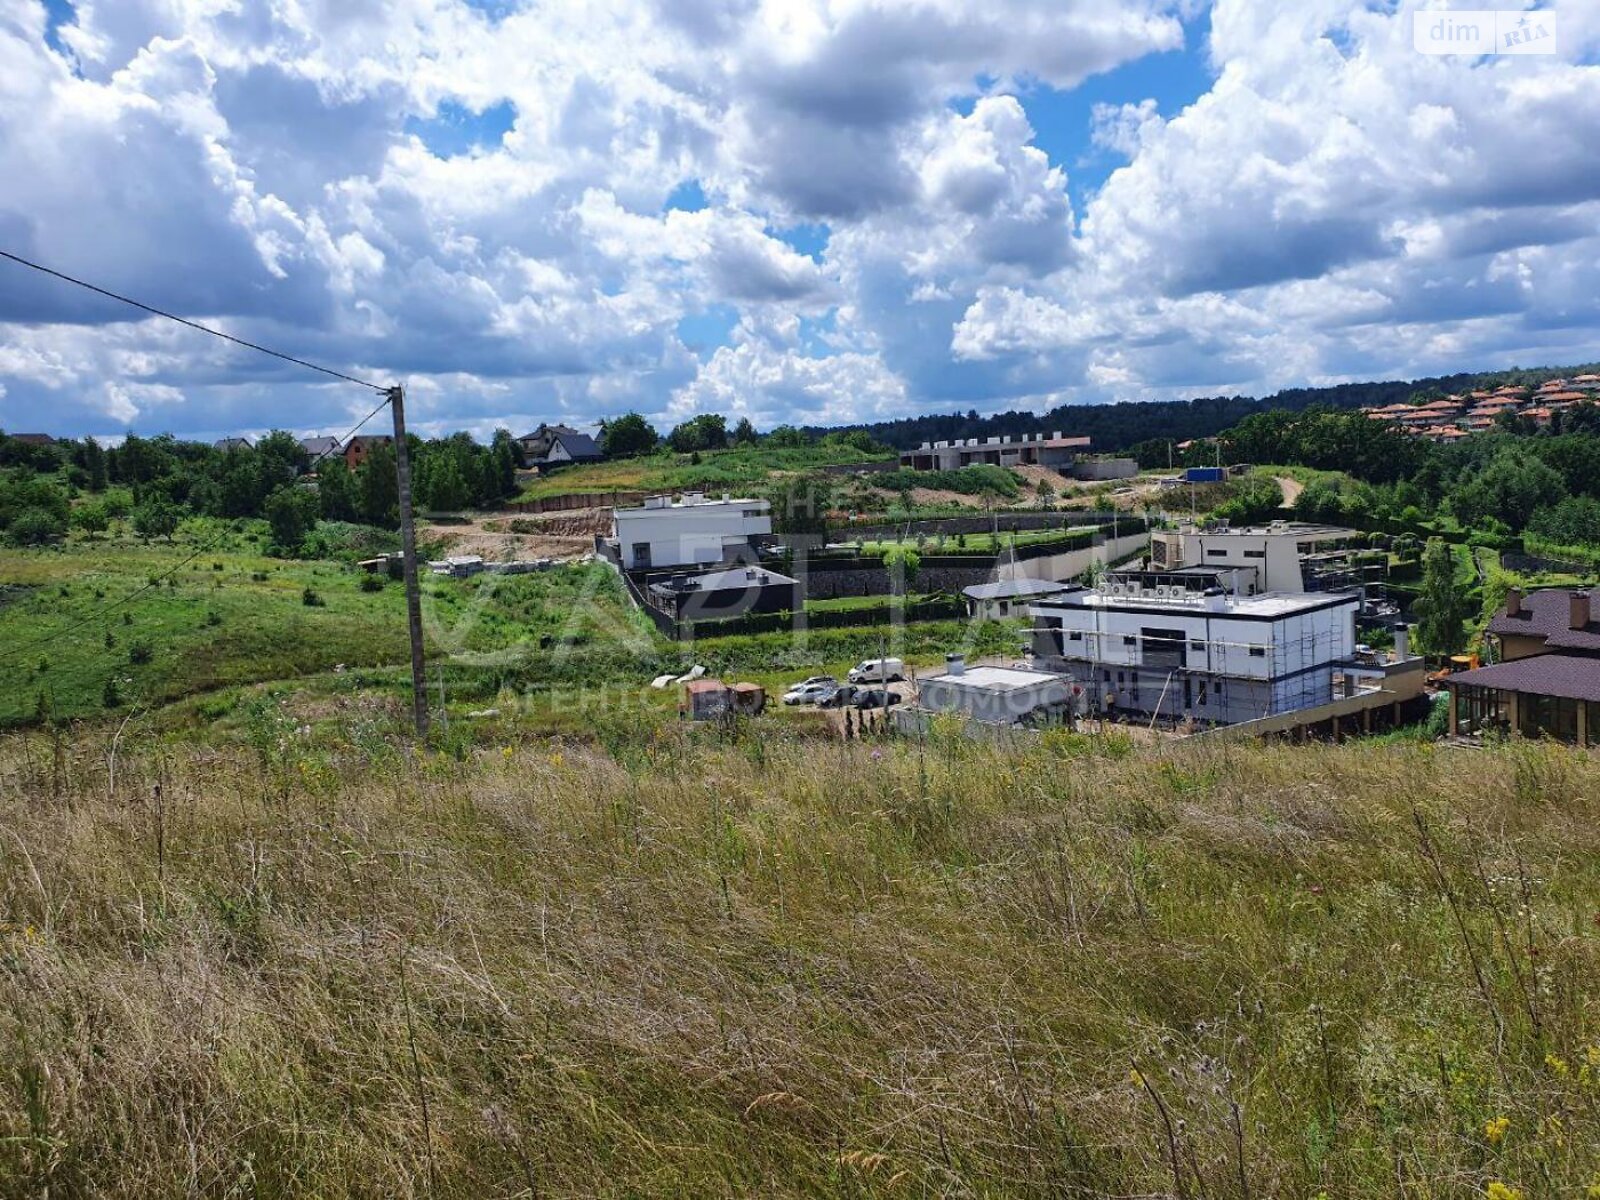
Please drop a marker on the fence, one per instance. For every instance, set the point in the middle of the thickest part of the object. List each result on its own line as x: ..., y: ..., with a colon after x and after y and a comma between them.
x: 1009, y: 522
x: 943, y: 609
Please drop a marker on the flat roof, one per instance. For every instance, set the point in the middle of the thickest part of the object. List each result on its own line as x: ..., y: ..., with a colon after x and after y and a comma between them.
x: 1299, y: 529
x: 716, y: 581
x: 1262, y: 604
x: 1006, y: 589
x: 998, y: 679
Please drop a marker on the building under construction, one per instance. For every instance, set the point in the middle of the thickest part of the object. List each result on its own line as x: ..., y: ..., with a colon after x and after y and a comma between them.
x: 1184, y: 646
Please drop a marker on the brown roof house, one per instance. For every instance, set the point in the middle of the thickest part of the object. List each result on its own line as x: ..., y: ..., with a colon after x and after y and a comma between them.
x: 359, y: 447
x: 1547, y: 683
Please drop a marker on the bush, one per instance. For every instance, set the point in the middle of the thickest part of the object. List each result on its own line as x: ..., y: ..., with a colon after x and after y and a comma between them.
x: 36, y: 527
x: 372, y: 583
x: 139, y: 653
x: 310, y: 598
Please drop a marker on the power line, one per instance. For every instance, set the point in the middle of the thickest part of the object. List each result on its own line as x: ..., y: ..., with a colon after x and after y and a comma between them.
x: 217, y: 333
x: 156, y: 581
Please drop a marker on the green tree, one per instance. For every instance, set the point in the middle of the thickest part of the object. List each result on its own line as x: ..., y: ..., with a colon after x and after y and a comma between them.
x: 35, y: 527
x: 336, y: 490
x: 903, y: 563
x: 1510, y: 489
x: 627, y: 436
x: 787, y: 437
x: 378, y: 489
x: 91, y: 517
x: 94, y: 463
x: 156, y: 517
x: 1441, y: 605
x: 744, y: 433
x: 291, y: 511
x: 708, y: 431
x: 800, y: 505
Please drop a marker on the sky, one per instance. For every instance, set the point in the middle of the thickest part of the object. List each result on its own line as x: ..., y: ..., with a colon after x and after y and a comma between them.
x: 806, y: 211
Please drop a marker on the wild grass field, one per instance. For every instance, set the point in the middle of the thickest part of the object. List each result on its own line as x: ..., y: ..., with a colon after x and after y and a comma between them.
x: 74, y: 617
x: 737, y: 467
x: 84, y: 634
x: 662, y: 962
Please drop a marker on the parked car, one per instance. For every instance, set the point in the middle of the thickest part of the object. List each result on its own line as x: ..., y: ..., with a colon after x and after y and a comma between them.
x: 809, y: 693
x: 841, y: 697
x: 829, y: 679
x: 878, y: 670
x: 875, y: 698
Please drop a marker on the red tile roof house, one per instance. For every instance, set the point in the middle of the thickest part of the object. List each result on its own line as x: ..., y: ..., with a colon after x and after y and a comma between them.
x: 1548, y: 682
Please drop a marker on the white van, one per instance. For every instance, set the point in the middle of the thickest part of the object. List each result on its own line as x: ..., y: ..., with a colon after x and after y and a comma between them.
x: 878, y: 670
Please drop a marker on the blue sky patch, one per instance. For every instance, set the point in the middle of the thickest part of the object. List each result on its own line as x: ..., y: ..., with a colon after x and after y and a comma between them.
x: 58, y: 13
x: 458, y: 130
x: 704, y: 331
x: 688, y: 196
x: 810, y: 240
x: 1063, y: 121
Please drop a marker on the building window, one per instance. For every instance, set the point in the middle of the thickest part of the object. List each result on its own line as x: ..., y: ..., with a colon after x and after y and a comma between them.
x: 1550, y: 715
x: 1129, y: 641
x: 1216, y: 686
x: 1258, y: 651
x: 1477, y: 709
x: 1076, y: 637
x: 1197, y: 646
x: 1255, y: 553
x: 1216, y: 554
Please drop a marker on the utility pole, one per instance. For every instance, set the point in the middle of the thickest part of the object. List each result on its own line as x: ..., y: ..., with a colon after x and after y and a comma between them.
x: 408, y: 549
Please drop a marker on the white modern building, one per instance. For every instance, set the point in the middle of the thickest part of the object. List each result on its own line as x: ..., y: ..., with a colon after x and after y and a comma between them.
x: 1284, y: 556
x: 689, y: 531
x: 1184, y: 647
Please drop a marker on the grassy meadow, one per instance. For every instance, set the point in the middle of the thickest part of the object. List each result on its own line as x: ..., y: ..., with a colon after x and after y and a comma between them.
x: 740, y: 467
x: 85, y: 635
x: 669, y: 962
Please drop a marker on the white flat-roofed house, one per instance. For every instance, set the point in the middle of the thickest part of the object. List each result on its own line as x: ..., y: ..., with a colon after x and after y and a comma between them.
x: 1285, y: 556
x: 995, y: 695
x: 1143, y: 644
x: 690, y: 531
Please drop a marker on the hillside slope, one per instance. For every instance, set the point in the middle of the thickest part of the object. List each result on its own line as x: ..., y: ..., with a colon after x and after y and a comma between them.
x: 695, y: 966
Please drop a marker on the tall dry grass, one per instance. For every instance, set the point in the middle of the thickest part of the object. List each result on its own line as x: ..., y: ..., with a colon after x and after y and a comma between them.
x: 698, y: 967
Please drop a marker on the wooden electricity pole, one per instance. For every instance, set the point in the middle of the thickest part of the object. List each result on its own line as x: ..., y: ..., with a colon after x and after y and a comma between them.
x: 408, y: 550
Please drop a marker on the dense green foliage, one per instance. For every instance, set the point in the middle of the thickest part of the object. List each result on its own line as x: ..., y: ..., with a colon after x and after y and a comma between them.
x: 627, y: 436
x: 1123, y: 427
x: 156, y: 483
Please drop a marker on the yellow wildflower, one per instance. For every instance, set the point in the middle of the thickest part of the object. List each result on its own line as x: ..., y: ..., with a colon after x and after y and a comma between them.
x: 1135, y: 1078
x: 1502, y: 1191
x: 1557, y: 1066
x: 1495, y: 1130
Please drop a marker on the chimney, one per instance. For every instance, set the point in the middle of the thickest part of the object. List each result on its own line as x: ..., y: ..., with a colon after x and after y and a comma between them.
x: 955, y: 664
x: 1513, y: 602
x: 1580, y: 610
x: 1402, y: 641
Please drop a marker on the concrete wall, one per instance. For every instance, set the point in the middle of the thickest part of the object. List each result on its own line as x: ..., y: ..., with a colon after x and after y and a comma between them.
x: 1100, y: 469
x: 1072, y: 563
